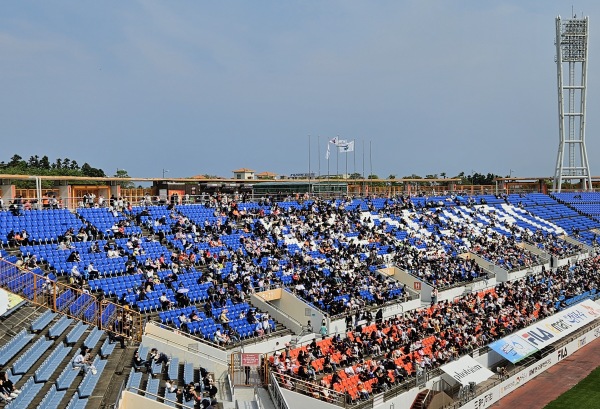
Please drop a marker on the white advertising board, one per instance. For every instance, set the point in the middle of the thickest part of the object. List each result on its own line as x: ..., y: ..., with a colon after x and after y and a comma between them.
x: 466, y: 370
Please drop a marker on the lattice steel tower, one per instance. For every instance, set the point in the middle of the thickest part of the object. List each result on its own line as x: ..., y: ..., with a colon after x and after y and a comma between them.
x: 572, y: 54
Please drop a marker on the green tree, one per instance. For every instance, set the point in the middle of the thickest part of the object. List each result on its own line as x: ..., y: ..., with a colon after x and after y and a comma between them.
x: 87, y: 170
x: 34, y: 161
x: 44, y: 162
x: 355, y: 175
x: 17, y: 162
x: 122, y: 173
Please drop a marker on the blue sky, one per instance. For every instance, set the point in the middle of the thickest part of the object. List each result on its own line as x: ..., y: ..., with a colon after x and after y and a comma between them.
x: 207, y: 87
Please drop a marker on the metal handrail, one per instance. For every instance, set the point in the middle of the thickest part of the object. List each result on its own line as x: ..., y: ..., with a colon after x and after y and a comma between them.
x: 257, y: 398
x: 47, y: 296
x: 276, y: 395
x: 164, y: 399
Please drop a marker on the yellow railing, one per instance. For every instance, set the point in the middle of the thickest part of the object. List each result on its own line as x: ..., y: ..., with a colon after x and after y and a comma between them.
x: 71, y: 301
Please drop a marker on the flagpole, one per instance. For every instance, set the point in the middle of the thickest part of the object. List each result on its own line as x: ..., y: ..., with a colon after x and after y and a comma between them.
x: 329, y: 154
x: 370, y: 159
x: 354, y: 150
x: 363, y: 165
x: 319, y: 153
x: 309, y: 157
x: 337, y: 160
x: 346, y: 155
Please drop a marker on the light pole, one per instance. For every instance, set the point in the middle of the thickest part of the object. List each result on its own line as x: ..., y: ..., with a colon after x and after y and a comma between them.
x: 165, y: 171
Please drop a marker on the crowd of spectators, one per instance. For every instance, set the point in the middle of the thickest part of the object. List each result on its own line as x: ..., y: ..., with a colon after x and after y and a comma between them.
x: 378, y: 355
x: 325, y: 252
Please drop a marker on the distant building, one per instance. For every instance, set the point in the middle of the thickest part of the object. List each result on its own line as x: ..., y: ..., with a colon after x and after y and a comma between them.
x: 243, y: 174
x: 302, y: 175
x: 266, y: 175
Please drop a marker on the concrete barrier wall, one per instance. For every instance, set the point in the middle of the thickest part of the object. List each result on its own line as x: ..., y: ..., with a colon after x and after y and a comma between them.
x: 131, y: 400
x: 268, y: 345
x: 185, y: 348
x: 275, y: 312
x: 299, y: 310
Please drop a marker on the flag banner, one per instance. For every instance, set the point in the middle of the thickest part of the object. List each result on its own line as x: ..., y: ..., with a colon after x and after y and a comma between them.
x: 513, y: 348
x: 334, y: 141
x: 347, y: 147
x: 328, y: 153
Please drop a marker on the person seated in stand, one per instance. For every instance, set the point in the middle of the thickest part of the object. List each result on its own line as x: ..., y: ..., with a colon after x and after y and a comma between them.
x: 117, y: 335
x: 67, y: 237
x: 92, y: 272
x: 95, y: 248
x: 23, y: 239
x: 14, y: 209
x: 171, y: 385
x: 183, y: 322
x: 181, y: 296
x: 258, y: 329
x: 224, y: 319
x: 74, y: 257
x: 234, y: 336
x: 76, y: 277
x: 5, y: 396
x: 220, y: 337
x: 191, y: 392
x: 211, y: 388
x: 82, y: 235
x: 157, y: 358
x: 83, y: 361
x: 171, y: 279
x: 10, y: 238
x: 112, y: 252
x: 139, y: 362
x: 362, y: 391
x: 194, y: 316
x: 208, y: 309
x: 165, y: 302
x: 7, y: 388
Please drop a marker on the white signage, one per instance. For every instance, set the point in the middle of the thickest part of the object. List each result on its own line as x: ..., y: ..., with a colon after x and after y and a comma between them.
x: 467, y: 370
x: 551, y: 329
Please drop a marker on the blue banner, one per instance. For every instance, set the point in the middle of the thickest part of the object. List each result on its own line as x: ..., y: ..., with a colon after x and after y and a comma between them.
x: 513, y: 347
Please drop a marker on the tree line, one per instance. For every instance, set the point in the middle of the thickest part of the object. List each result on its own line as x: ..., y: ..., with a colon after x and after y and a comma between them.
x: 43, y: 167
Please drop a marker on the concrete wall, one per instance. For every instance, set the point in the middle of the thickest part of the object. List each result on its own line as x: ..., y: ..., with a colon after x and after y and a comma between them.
x: 268, y: 344
x: 187, y: 349
x: 278, y: 314
x: 299, y: 310
x: 131, y: 400
x: 298, y: 400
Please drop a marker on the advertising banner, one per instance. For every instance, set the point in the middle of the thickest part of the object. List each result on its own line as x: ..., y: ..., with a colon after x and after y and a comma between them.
x: 547, y: 331
x: 513, y: 348
x: 466, y: 370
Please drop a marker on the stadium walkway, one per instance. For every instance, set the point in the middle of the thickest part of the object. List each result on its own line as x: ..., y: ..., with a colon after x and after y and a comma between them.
x: 549, y: 385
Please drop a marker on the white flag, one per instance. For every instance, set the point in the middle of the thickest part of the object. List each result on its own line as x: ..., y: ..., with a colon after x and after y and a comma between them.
x: 347, y: 147
x: 334, y: 141
x: 341, y: 142
x: 328, y: 153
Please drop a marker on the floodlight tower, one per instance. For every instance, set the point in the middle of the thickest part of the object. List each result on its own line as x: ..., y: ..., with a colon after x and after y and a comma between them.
x: 572, y: 54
